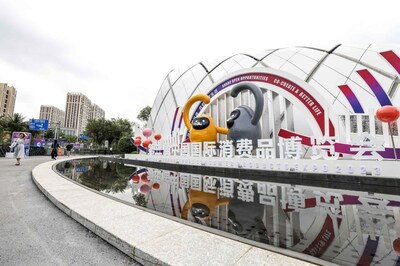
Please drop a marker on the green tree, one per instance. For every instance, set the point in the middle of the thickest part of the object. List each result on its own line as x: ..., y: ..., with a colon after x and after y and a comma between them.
x: 2, y: 129
x: 35, y: 134
x: 144, y: 114
x: 2, y: 123
x: 112, y: 130
x: 70, y: 138
x: 11, y: 124
x: 125, y: 145
x: 108, y: 177
x: 117, y: 128
x: 49, y: 133
x: 140, y: 199
x: 16, y: 123
x: 97, y: 130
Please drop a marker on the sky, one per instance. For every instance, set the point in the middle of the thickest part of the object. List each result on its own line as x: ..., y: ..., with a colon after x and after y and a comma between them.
x: 118, y: 52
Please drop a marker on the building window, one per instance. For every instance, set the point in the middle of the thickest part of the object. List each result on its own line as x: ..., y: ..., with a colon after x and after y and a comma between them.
x: 395, y: 129
x: 365, y: 123
x: 353, y: 124
x: 378, y: 127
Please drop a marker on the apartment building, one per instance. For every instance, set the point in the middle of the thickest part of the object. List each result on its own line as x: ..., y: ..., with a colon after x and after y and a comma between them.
x: 78, y: 111
x: 55, y: 115
x: 8, y: 95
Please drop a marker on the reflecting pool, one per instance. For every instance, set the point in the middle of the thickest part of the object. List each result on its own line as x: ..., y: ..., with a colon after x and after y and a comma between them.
x: 341, y: 226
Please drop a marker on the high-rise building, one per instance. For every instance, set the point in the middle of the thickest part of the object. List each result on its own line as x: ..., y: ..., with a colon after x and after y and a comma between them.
x: 55, y: 116
x: 96, y: 112
x: 7, y: 99
x: 78, y: 111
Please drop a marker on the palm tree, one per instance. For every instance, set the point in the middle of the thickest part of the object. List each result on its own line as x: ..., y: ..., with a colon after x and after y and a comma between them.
x: 16, y: 123
x: 3, y: 129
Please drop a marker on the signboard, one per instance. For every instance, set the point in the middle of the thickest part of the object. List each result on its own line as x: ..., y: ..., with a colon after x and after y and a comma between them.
x: 39, y: 142
x: 38, y: 124
x: 15, y: 136
x: 82, y: 169
x: 83, y: 136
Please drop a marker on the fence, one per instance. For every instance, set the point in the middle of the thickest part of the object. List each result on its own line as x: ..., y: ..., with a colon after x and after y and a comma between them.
x: 91, y: 151
x: 3, y: 150
x: 37, y: 151
x: 33, y: 151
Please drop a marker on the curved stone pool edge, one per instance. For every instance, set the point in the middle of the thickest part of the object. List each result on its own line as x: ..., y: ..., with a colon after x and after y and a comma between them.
x: 149, y: 238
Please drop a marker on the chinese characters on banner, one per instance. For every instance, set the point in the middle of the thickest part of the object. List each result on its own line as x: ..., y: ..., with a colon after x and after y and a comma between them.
x: 364, y: 147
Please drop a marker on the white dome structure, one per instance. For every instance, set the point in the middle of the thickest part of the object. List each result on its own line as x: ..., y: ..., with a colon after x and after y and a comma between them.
x: 308, y: 91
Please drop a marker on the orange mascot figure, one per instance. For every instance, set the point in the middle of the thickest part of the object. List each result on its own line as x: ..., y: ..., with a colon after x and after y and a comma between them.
x: 202, y: 204
x: 203, y: 127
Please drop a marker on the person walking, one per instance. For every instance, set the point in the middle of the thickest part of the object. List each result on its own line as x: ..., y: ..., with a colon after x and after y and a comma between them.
x: 69, y: 148
x: 19, y: 148
x: 54, y: 147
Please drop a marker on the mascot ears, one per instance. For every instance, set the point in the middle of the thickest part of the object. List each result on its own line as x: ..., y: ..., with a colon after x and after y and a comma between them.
x: 202, y: 128
x: 197, y: 97
x: 257, y: 95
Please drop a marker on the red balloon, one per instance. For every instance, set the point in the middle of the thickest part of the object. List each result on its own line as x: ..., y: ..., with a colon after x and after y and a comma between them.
x: 388, y: 113
x: 157, y: 136
x: 156, y: 186
x: 137, y: 142
x: 144, y: 178
x: 144, y: 189
x: 138, y: 137
x: 146, y: 143
x: 396, y: 246
x: 135, y: 179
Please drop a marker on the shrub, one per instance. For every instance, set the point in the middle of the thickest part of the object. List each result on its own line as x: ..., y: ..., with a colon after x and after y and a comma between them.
x: 125, y: 145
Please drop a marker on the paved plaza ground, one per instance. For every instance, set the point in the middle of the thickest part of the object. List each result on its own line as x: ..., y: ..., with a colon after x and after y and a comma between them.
x: 35, y: 232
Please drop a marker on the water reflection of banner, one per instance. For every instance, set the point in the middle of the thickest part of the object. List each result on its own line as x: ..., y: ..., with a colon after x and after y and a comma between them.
x: 323, y: 240
x: 326, y: 224
x: 80, y: 169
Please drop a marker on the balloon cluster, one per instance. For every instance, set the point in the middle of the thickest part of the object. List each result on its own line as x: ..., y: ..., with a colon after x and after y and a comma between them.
x: 147, y: 132
x: 143, y: 180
